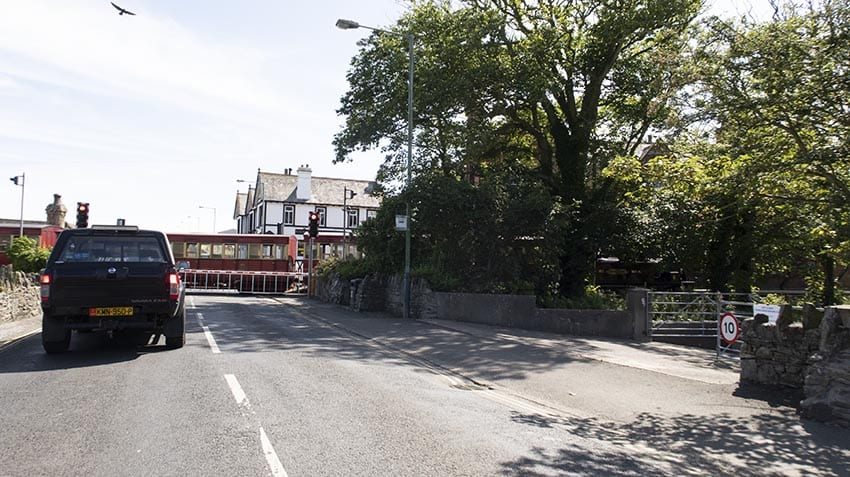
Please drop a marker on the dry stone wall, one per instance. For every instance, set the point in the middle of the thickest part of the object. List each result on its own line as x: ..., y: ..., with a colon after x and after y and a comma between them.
x: 827, y: 383
x: 19, y: 295
x: 776, y: 354
x: 813, y: 354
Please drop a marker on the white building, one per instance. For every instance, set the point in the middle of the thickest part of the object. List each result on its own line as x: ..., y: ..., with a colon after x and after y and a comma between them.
x: 280, y: 204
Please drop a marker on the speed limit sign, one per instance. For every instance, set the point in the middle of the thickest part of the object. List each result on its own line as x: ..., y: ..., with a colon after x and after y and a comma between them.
x: 729, y: 328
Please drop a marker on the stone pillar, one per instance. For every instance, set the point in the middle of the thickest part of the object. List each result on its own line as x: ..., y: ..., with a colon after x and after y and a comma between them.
x: 56, y: 212
x: 637, y: 303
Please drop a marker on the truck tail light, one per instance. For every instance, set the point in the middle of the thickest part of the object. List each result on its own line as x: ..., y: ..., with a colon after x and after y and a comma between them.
x: 45, y: 287
x: 173, y: 285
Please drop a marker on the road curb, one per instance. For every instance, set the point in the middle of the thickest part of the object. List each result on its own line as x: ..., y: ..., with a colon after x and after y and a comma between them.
x: 16, y: 331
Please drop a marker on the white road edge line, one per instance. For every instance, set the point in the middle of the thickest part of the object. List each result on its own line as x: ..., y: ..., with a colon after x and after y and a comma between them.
x: 208, y: 334
x: 271, y: 456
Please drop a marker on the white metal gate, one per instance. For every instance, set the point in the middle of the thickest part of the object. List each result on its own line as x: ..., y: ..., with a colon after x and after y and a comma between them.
x: 691, y: 318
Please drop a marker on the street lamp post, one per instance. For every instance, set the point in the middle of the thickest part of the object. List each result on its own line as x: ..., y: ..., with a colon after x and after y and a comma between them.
x: 20, y: 181
x: 349, y: 25
x: 213, y: 209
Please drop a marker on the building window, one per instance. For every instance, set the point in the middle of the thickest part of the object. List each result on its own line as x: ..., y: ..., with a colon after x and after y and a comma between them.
x: 288, y: 215
x: 260, y: 220
x: 323, y: 216
x: 353, y: 218
x: 371, y: 214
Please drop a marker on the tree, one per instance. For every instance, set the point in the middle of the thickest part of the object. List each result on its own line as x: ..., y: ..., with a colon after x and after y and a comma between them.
x: 26, y: 255
x: 507, y: 84
x: 778, y: 93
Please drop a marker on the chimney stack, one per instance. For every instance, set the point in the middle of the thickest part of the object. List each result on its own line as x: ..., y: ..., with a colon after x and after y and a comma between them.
x: 303, y: 192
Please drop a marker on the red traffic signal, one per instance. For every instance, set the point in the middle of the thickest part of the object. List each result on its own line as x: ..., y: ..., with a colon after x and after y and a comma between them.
x: 82, y: 215
x: 314, y: 224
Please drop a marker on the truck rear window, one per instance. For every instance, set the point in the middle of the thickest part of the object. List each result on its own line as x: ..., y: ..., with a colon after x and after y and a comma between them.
x: 112, y: 249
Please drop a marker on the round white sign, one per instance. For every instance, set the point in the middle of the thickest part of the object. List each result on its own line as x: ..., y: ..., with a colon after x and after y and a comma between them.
x: 729, y: 328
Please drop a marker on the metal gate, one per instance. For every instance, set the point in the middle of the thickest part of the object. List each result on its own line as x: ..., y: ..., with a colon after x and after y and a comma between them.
x: 234, y: 281
x: 691, y: 318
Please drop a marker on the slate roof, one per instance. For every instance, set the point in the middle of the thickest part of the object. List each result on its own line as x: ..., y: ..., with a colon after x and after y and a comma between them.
x: 274, y: 187
x: 27, y: 223
x: 241, y: 201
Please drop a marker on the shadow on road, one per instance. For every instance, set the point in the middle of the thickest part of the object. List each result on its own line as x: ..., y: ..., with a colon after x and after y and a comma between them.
x: 265, y: 326
x: 87, y: 349
x: 713, y: 445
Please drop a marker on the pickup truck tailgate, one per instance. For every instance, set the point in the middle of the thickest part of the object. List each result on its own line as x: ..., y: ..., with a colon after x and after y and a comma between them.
x: 110, y: 284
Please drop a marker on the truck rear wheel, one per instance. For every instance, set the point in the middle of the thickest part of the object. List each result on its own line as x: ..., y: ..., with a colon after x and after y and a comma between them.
x: 175, y: 330
x: 54, y: 337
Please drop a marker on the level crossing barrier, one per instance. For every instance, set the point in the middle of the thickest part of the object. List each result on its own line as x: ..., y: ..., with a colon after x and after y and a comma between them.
x: 243, y: 281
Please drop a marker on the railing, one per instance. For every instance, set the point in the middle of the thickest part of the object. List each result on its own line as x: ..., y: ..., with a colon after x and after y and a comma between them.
x: 691, y: 318
x: 240, y: 281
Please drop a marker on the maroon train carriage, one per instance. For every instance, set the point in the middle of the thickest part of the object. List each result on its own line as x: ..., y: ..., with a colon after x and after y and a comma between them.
x: 248, y: 263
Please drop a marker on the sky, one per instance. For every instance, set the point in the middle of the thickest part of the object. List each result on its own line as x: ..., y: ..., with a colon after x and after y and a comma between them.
x: 154, y: 118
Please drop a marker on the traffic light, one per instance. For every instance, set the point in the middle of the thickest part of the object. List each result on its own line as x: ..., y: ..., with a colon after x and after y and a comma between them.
x: 82, y: 215
x: 314, y: 224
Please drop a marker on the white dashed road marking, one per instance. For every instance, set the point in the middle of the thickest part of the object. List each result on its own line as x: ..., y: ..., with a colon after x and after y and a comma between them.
x: 268, y: 450
x: 208, y: 334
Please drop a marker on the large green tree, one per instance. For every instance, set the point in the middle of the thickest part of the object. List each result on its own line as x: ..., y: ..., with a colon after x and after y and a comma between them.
x: 555, y: 87
x: 766, y: 191
x: 778, y: 91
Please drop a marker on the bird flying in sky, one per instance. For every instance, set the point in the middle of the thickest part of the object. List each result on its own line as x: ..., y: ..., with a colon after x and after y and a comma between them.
x: 122, y: 11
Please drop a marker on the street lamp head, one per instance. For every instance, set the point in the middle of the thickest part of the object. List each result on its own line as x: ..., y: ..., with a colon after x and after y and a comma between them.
x: 347, y: 24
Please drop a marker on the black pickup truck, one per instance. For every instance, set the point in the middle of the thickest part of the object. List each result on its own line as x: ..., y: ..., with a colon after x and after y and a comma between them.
x: 117, y: 279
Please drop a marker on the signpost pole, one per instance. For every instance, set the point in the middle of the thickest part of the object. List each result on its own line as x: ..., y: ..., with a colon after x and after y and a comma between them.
x: 310, y: 269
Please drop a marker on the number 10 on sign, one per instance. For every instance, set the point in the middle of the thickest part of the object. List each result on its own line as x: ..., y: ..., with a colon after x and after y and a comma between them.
x: 730, y: 329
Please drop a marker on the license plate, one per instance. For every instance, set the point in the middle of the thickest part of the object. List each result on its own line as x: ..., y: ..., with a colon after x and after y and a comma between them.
x: 112, y: 311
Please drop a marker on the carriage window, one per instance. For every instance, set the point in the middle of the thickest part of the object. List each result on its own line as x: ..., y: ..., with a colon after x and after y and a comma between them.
x: 279, y: 251
x: 253, y: 250
x: 302, y: 249
x: 178, y: 248
x: 192, y: 250
x: 243, y: 251
x: 217, y: 250
x: 267, y: 250
x: 229, y: 250
x: 205, y: 250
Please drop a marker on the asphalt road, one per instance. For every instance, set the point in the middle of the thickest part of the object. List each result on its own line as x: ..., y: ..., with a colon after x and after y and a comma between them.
x: 293, y: 387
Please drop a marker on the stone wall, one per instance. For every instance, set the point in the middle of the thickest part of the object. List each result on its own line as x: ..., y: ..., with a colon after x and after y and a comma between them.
x: 812, y: 353
x: 827, y: 382
x: 776, y: 354
x: 19, y: 295
x: 385, y: 294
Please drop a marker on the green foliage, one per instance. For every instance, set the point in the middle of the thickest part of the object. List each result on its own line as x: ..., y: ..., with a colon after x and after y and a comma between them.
x: 594, y: 298
x: 347, y: 269
x: 26, y: 255
x: 484, y: 238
